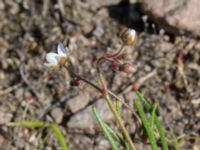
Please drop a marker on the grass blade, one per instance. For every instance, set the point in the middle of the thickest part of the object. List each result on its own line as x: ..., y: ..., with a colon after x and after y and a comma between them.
x: 153, y: 115
x: 112, y: 133
x: 59, y: 135
x: 146, y: 124
x: 157, y: 122
x: 105, y: 130
x: 40, y: 124
x: 117, y: 138
x: 143, y: 100
x: 175, y: 141
x: 28, y: 124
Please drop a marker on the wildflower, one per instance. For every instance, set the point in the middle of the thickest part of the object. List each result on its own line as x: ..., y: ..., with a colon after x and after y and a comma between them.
x: 54, y: 60
x: 129, y: 36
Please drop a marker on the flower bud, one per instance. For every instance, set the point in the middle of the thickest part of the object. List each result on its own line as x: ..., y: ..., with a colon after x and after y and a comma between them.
x: 129, y: 36
x: 115, y: 66
x: 75, y: 82
x: 127, y: 68
x: 126, y: 57
x: 135, y: 85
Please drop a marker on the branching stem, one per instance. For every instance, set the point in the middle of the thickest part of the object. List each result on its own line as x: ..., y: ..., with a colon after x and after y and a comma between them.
x: 105, y: 92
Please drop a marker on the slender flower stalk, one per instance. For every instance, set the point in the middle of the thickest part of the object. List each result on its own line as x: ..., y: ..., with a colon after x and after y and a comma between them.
x: 106, y: 57
x: 83, y: 79
x: 101, y: 91
x: 107, y: 97
x: 120, y: 122
x: 110, y: 104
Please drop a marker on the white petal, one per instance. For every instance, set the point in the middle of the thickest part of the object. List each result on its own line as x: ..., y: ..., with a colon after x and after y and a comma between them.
x: 132, y: 33
x: 61, y: 49
x: 52, y: 58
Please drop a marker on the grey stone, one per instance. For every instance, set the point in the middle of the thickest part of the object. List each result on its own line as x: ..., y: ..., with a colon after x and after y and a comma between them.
x: 102, y: 143
x: 85, y: 119
x: 98, y: 31
x: 57, y: 114
x: 78, y: 102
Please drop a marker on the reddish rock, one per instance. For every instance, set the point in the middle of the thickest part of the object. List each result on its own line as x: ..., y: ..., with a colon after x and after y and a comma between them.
x: 175, y: 16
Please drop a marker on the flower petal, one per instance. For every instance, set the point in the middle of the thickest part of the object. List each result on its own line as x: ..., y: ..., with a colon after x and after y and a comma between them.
x: 132, y: 33
x: 52, y: 58
x: 61, y: 49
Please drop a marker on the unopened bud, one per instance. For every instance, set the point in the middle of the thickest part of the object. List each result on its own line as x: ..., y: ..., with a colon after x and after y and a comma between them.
x: 76, y: 82
x: 126, y: 56
x: 135, y: 85
x: 129, y: 36
x: 115, y: 66
x: 127, y: 68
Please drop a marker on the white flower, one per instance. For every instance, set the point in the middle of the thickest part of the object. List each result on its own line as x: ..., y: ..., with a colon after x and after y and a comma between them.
x: 129, y: 36
x: 54, y: 60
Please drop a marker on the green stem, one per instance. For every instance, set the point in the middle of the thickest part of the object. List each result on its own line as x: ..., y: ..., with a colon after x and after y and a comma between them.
x: 120, y: 122
x: 105, y: 93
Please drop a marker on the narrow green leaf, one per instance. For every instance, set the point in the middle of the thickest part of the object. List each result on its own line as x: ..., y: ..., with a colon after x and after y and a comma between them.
x: 161, y: 133
x: 40, y: 124
x: 105, y: 130
x: 126, y: 146
x: 117, y: 138
x: 141, y: 98
x: 113, y: 134
x: 146, y: 124
x: 28, y: 124
x: 153, y: 115
x: 157, y: 122
x: 59, y: 135
x: 174, y: 140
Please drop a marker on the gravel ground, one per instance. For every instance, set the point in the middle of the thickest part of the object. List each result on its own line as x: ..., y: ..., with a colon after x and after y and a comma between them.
x: 167, y: 71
